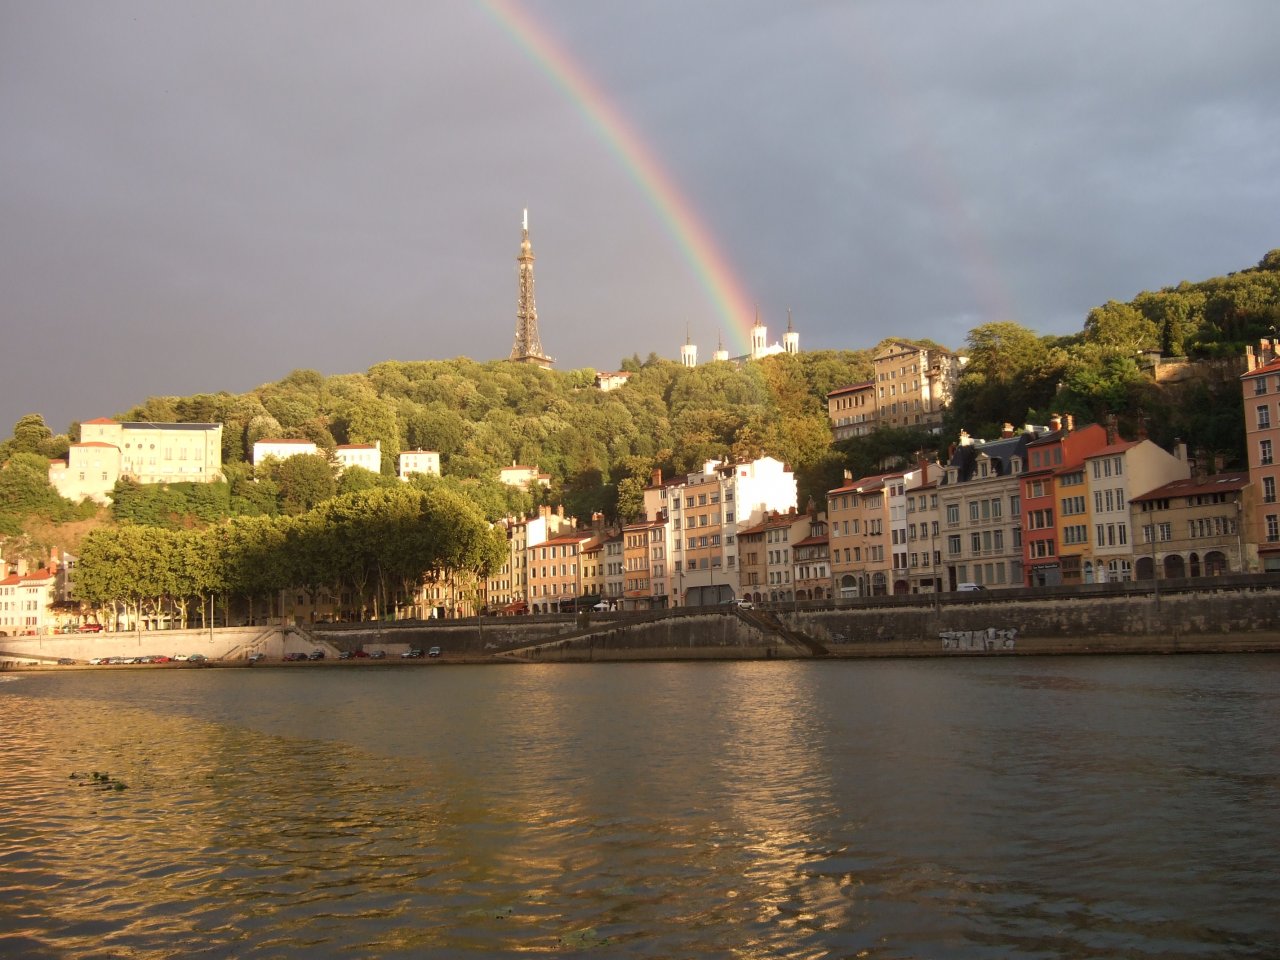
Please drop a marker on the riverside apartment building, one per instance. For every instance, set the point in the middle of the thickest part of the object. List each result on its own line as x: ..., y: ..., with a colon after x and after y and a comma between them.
x: 1261, y: 385
x: 703, y: 513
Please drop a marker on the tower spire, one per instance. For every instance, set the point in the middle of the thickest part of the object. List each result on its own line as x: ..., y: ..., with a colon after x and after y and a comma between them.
x: 528, y: 344
x: 689, y: 352
x: 790, y: 339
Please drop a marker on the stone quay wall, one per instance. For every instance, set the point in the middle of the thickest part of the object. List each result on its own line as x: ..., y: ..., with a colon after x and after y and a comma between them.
x: 1211, y: 618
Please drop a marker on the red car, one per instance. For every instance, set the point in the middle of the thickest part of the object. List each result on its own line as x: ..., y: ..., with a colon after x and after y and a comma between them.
x: 90, y: 628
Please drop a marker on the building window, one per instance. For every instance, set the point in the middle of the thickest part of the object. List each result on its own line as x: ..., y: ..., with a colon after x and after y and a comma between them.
x: 1264, y: 452
x: 1264, y: 417
x: 1268, y: 489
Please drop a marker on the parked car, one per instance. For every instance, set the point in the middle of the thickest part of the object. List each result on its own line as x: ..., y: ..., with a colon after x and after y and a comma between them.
x: 180, y: 658
x: 315, y: 655
x: 360, y: 654
x: 256, y: 656
x: 433, y: 652
x: 294, y: 656
x: 344, y: 655
x: 90, y: 628
x: 66, y: 662
x: 197, y: 658
x: 742, y: 602
x: 378, y: 655
x: 160, y: 659
x: 969, y: 587
x: 413, y: 654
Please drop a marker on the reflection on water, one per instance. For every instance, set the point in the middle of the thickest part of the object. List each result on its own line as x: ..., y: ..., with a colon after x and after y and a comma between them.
x: 1002, y: 808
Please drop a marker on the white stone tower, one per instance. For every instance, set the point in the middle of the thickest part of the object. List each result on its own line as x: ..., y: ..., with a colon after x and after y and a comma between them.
x: 759, y: 338
x: 721, y: 354
x: 689, y: 352
x: 790, y: 339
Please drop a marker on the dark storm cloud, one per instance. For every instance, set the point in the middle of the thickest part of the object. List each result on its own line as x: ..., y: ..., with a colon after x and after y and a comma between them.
x: 205, y: 197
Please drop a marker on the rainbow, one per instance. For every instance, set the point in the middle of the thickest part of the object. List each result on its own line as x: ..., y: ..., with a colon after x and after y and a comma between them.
x: 699, y: 249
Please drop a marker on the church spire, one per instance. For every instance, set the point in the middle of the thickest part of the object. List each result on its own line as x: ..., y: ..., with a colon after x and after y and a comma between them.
x: 689, y: 352
x: 528, y: 344
x: 790, y: 339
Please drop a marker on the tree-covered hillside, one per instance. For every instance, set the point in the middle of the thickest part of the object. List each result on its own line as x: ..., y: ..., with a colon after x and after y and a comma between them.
x: 600, y: 447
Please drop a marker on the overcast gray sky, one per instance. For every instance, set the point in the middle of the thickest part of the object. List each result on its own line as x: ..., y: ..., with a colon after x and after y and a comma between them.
x: 201, y: 197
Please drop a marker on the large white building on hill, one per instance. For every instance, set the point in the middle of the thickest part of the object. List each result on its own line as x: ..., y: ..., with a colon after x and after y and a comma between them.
x: 145, y: 452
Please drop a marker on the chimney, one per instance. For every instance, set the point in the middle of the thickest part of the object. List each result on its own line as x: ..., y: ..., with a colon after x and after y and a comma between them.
x: 560, y: 511
x: 1055, y: 422
x: 656, y: 479
x: 965, y: 439
x: 1199, y: 467
x: 1069, y: 422
x: 1006, y: 431
x: 848, y: 476
x: 1179, y: 449
x: 1113, y: 431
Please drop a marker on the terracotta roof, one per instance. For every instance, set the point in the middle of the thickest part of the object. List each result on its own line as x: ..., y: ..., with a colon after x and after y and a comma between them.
x: 98, y: 420
x: 1262, y: 371
x: 1192, y: 486
x: 96, y: 443
x: 867, y: 484
x: 564, y: 538
x: 355, y: 446
x: 282, y: 440
x: 14, y: 579
x: 644, y: 523
x: 811, y: 541
x: 852, y: 387
x: 774, y: 523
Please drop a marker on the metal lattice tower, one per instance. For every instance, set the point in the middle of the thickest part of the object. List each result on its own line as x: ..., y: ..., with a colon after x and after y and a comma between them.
x: 528, y: 345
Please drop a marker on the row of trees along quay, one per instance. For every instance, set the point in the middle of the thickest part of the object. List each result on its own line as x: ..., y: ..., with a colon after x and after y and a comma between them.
x: 375, y: 545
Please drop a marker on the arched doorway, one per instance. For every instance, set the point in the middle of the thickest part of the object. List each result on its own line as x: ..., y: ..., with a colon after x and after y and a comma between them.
x: 1143, y: 568
x: 901, y: 587
x: 1195, y: 565
x: 1175, y: 567
x: 1215, y: 563
x: 848, y: 586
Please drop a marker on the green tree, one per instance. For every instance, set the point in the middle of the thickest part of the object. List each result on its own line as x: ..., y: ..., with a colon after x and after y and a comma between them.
x: 306, y: 480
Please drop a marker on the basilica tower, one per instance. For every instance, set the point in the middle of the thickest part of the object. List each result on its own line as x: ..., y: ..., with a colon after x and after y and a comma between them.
x: 528, y: 345
x: 790, y: 339
x: 689, y: 352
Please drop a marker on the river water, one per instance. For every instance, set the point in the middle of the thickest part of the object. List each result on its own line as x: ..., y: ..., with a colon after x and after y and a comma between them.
x: 968, y: 808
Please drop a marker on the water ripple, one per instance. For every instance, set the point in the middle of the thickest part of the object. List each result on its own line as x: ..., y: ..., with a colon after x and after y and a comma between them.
x: 969, y: 810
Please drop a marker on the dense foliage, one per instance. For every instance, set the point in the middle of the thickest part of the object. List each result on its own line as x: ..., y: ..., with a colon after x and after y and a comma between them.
x: 373, y: 546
